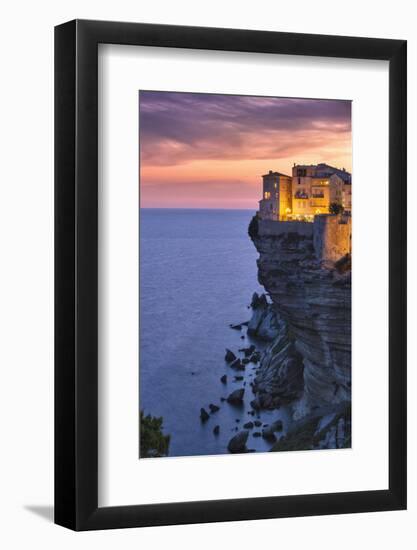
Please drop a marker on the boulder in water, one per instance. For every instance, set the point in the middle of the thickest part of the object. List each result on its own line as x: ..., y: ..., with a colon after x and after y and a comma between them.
x: 204, y: 415
x: 236, y: 397
x: 237, y: 365
x: 268, y: 434
x: 238, y: 443
x: 230, y: 356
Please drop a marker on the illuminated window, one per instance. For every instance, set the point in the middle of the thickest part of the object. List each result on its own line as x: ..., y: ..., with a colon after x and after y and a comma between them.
x: 267, y: 195
x: 275, y: 185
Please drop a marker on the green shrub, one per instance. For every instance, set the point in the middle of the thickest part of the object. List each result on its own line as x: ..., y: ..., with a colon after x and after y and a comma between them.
x: 153, y: 442
x: 335, y: 208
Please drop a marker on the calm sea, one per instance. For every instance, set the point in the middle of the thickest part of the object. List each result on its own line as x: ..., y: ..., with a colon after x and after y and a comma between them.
x: 197, y: 275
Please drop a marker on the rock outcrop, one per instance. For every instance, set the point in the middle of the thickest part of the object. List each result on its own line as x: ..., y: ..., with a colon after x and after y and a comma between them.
x: 236, y: 397
x: 230, y: 356
x: 204, y: 415
x: 280, y: 379
x: 238, y: 443
x: 320, y: 430
x: 308, y: 362
x: 264, y: 323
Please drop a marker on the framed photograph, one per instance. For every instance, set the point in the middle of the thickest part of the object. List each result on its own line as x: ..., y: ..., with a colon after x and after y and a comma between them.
x: 230, y: 247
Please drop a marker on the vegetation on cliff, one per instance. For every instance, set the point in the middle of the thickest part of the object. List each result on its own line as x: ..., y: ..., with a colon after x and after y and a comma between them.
x: 153, y: 442
x: 335, y: 208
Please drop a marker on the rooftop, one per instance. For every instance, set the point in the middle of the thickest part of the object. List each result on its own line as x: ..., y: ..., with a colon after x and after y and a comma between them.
x: 325, y: 170
x: 271, y: 173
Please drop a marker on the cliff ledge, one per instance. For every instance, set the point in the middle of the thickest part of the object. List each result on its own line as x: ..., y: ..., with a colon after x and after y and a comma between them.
x: 307, y: 276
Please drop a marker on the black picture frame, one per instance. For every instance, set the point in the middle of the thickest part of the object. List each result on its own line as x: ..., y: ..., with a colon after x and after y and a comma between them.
x: 76, y: 272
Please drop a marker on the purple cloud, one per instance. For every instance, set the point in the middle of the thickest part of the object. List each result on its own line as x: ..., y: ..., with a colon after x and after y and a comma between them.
x: 176, y: 128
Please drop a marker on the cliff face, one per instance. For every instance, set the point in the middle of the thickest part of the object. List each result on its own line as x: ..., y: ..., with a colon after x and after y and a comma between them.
x: 309, y: 361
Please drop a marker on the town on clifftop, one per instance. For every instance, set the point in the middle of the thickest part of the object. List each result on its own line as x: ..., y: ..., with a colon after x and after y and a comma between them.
x: 312, y: 190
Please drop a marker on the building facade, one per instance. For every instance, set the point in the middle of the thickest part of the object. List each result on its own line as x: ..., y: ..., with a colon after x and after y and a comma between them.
x: 316, y: 186
x: 308, y: 192
x: 276, y: 196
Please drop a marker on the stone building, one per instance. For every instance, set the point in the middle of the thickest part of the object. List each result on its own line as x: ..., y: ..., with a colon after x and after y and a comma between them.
x: 276, y: 198
x: 316, y: 186
x: 309, y: 192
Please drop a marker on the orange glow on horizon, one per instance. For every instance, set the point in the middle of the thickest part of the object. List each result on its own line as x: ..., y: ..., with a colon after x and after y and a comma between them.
x: 192, y: 158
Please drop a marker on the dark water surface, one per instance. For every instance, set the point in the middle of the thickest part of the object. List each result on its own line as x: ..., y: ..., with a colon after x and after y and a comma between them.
x: 197, y: 275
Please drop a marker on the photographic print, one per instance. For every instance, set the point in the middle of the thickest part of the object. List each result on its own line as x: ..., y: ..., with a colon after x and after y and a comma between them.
x: 245, y: 274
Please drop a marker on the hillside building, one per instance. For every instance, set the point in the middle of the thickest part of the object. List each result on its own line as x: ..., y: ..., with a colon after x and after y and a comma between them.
x: 308, y: 192
x: 277, y: 196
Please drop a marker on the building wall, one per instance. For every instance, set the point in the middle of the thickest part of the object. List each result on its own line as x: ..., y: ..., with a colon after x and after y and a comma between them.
x: 316, y: 191
x: 336, y: 189
x: 331, y: 234
x: 285, y: 197
x: 347, y: 197
x: 320, y: 196
x: 319, y: 186
x: 269, y: 228
x: 269, y: 205
x: 332, y: 237
x: 276, y: 196
x: 268, y: 209
x: 341, y: 192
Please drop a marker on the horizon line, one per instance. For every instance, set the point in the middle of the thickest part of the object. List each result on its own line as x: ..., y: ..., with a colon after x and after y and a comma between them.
x: 189, y: 208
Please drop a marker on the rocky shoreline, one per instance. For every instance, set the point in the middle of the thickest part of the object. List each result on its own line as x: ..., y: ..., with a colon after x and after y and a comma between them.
x: 272, y: 378
x: 301, y: 358
x: 307, y: 365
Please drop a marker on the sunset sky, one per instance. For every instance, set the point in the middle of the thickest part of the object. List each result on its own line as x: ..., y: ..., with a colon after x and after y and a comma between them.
x: 209, y: 151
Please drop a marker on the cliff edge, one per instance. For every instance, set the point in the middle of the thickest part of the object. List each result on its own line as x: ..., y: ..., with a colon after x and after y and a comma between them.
x: 306, y: 272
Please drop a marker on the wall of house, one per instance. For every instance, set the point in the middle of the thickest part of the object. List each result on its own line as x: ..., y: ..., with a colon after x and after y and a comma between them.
x: 336, y: 189
x: 285, y: 197
x: 269, y: 205
x: 318, y: 195
x: 347, y: 197
x: 268, y: 209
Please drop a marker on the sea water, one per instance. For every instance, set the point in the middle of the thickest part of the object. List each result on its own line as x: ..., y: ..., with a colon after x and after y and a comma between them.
x: 197, y: 276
